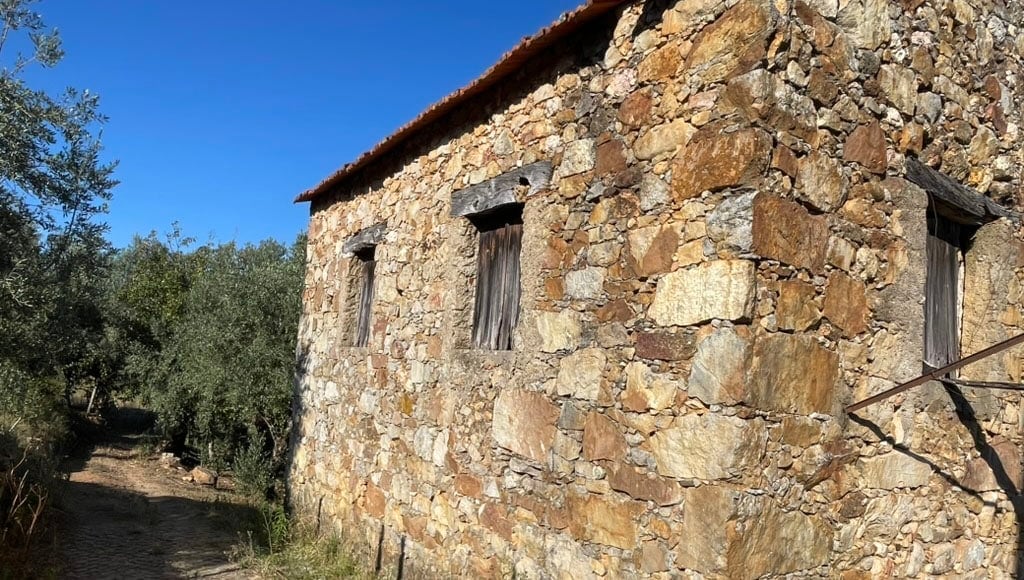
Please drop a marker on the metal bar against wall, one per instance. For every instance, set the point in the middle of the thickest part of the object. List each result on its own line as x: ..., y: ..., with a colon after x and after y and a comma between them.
x: 938, y: 373
x: 984, y: 385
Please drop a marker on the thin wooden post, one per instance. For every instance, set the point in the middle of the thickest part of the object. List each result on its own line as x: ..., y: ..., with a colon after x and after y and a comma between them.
x: 938, y: 373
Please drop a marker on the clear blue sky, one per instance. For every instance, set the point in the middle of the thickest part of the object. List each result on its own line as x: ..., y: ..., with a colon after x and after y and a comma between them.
x: 221, y: 111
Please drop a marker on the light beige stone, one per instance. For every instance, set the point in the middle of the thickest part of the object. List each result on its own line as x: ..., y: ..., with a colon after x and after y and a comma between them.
x: 580, y: 374
x: 899, y: 85
x: 894, y: 470
x: 821, y: 182
x: 559, y: 330
x: 719, y: 368
x: 663, y: 139
x: 704, y: 535
x: 722, y: 289
x: 604, y: 521
x: 709, y: 446
x: 646, y: 390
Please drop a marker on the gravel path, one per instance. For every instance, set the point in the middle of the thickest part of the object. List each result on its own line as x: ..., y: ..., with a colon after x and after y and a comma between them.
x: 129, y: 518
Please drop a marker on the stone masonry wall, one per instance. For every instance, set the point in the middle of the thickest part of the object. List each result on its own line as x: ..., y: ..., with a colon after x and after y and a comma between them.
x: 727, y: 254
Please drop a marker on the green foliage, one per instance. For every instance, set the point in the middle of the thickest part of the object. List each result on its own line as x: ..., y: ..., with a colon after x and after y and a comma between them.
x: 207, y: 337
x: 253, y: 471
x: 53, y: 187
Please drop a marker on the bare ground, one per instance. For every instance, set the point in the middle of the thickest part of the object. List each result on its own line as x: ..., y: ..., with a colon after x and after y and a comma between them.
x: 128, y: 517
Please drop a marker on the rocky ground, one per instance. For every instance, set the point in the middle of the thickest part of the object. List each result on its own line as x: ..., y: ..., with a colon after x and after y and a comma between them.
x: 129, y: 516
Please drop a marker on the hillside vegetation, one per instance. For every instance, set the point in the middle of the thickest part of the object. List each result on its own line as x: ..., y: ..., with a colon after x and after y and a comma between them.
x: 202, y: 334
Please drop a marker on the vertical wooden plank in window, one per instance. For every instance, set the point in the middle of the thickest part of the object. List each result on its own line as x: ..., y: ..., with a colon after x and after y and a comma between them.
x: 942, y: 332
x: 367, y: 273
x: 496, y: 308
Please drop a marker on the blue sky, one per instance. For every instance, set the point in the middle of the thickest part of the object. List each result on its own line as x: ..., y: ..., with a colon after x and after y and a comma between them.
x: 222, y: 111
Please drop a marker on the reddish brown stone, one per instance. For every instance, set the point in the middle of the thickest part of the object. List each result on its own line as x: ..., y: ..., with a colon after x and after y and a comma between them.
x: 468, y: 485
x: 796, y: 309
x: 495, y: 518
x: 661, y: 64
x: 665, y: 346
x: 715, y: 159
x: 375, y: 501
x: 846, y: 303
x: 784, y: 159
x: 558, y: 255
x: 616, y: 311
x: 866, y: 146
x: 636, y: 108
x: 611, y: 157
x: 524, y: 423
x: 554, y: 288
x: 733, y: 44
x: 785, y: 231
x: 659, y: 255
x: 602, y: 439
x: 644, y: 486
x: 793, y: 374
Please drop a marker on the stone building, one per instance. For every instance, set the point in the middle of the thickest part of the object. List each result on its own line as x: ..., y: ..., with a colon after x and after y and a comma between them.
x: 599, y: 313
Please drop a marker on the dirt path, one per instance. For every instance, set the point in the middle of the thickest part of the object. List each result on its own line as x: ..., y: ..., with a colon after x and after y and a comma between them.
x: 128, y: 518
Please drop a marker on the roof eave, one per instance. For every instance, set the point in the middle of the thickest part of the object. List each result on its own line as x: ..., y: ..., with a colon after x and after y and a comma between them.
x: 509, y: 63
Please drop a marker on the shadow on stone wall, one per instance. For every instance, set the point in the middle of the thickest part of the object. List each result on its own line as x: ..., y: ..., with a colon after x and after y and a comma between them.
x: 990, y: 455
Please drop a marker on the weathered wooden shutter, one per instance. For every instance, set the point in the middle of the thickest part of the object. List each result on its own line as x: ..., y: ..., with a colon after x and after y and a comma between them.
x: 941, y: 322
x: 498, y: 289
x: 366, y: 270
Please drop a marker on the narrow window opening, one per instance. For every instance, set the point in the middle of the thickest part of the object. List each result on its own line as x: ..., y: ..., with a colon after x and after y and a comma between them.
x: 948, y: 243
x: 498, y: 289
x: 365, y: 272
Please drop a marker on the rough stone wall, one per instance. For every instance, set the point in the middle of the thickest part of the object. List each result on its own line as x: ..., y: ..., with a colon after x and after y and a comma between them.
x: 727, y: 254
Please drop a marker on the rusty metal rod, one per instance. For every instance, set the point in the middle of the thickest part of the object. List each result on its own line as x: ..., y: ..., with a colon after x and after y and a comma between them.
x: 936, y: 374
x: 984, y: 384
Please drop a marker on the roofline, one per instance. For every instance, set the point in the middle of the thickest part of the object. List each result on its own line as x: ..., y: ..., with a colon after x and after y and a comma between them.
x: 509, y: 63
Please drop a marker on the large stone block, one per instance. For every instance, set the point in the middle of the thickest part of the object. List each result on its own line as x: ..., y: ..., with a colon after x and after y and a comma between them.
x: 559, y: 330
x: 604, y: 521
x: 785, y: 231
x: 665, y: 346
x: 602, y: 439
x: 723, y: 289
x: 653, y: 249
x: 733, y: 44
x: 580, y: 375
x: 793, y: 374
x: 821, y: 181
x: 715, y: 159
x: 707, y: 511
x: 776, y: 543
x: 867, y: 146
x: 641, y: 485
x: 846, y: 303
x: 524, y: 423
x: 894, y: 470
x: 663, y: 139
x: 719, y: 368
x: 646, y: 390
x: 709, y: 446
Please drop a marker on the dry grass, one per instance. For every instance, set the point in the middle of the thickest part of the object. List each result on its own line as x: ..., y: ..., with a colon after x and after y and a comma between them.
x: 279, y: 548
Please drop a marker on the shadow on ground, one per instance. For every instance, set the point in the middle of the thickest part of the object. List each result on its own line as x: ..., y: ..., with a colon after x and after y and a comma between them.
x: 126, y: 517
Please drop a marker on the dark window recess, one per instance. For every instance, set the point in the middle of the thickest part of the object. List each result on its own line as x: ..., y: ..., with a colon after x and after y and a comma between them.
x: 365, y: 266
x: 498, y: 290
x: 948, y: 242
